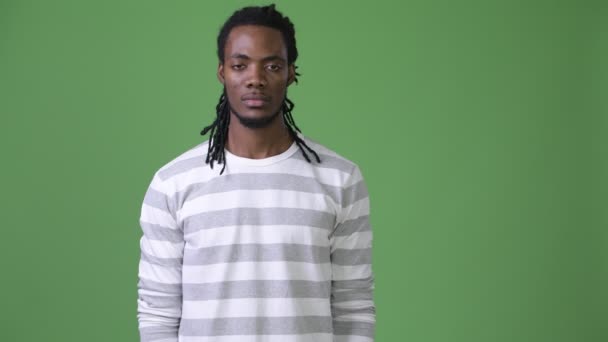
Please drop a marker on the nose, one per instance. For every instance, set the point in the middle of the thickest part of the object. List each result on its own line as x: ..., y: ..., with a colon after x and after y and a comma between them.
x: 256, y: 78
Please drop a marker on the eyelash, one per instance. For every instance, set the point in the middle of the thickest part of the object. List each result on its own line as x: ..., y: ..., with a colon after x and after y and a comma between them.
x: 239, y: 67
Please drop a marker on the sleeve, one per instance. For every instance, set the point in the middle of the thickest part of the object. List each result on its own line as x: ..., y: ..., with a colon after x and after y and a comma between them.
x: 159, y: 288
x: 352, y: 304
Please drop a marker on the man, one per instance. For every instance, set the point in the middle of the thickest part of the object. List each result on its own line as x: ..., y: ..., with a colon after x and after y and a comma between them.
x: 276, y: 246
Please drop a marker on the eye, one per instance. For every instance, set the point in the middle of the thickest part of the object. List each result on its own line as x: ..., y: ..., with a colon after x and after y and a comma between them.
x: 274, y: 67
x: 238, y: 67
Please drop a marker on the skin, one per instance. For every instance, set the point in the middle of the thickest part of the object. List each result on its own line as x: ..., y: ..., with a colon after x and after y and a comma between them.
x: 255, y: 62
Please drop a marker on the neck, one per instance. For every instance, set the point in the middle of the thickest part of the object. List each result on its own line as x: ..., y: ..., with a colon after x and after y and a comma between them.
x: 258, y: 143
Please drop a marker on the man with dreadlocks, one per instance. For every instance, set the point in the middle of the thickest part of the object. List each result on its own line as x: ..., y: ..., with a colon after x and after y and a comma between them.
x: 276, y: 246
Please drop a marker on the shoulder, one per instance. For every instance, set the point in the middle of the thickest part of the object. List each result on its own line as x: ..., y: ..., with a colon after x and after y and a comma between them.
x: 192, y: 158
x: 330, y: 159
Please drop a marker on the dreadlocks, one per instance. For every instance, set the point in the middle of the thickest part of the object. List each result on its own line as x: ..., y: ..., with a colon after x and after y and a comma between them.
x: 263, y: 16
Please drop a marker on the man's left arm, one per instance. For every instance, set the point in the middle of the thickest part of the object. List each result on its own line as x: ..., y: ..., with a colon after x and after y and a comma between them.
x: 352, y: 303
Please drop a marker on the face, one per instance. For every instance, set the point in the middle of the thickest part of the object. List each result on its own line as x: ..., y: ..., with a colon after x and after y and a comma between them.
x: 255, y: 74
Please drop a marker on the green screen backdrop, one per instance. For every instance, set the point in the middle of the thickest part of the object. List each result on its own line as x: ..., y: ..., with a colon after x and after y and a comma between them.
x: 480, y: 128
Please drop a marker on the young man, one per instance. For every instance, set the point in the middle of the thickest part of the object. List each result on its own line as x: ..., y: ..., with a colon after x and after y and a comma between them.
x: 276, y: 245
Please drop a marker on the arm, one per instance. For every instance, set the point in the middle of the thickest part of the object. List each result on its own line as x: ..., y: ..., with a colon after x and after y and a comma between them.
x: 352, y: 303
x: 159, y: 301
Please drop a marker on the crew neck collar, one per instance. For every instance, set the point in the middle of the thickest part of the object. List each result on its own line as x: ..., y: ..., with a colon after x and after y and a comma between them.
x: 234, y: 159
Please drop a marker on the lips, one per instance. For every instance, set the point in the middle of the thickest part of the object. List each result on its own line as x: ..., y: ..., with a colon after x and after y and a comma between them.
x: 255, y: 100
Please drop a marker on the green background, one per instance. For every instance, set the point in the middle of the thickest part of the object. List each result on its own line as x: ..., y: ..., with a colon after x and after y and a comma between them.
x: 480, y: 127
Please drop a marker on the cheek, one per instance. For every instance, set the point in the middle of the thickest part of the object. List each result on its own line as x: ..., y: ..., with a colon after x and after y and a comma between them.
x: 231, y: 84
x: 231, y: 81
x: 233, y: 77
x: 233, y: 97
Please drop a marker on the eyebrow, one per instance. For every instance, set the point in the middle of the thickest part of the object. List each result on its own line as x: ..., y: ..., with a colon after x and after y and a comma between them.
x: 268, y: 58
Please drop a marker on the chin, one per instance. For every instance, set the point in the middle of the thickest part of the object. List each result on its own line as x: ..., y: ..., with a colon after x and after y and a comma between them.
x: 255, y: 112
x: 253, y: 118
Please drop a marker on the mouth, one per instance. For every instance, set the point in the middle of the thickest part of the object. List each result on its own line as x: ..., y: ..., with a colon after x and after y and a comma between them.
x: 255, y: 100
x: 255, y: 103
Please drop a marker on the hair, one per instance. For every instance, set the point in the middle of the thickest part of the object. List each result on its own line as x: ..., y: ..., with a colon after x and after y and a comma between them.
x: 261, y: 16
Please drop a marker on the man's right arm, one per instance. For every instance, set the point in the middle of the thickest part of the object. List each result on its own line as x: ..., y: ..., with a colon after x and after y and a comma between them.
x: 159, y: 302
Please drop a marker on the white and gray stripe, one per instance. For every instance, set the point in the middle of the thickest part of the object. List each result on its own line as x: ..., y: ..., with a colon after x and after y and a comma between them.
x: 279, y: 252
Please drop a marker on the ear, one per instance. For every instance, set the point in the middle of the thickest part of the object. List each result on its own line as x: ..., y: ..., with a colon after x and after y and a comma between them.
x: 220, y: 73
x: 291, y: 74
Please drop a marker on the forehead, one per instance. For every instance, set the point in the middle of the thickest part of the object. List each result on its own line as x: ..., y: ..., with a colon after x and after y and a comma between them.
x: 255, y: 42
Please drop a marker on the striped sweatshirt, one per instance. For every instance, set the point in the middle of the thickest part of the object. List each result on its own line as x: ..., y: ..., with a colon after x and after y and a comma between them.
x: 275, y: 250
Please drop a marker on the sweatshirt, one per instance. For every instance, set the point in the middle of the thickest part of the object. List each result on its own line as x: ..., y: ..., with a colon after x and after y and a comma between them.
x: 277, y: 249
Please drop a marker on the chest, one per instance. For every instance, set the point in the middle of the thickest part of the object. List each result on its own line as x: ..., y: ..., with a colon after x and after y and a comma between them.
x: 258, y: 216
